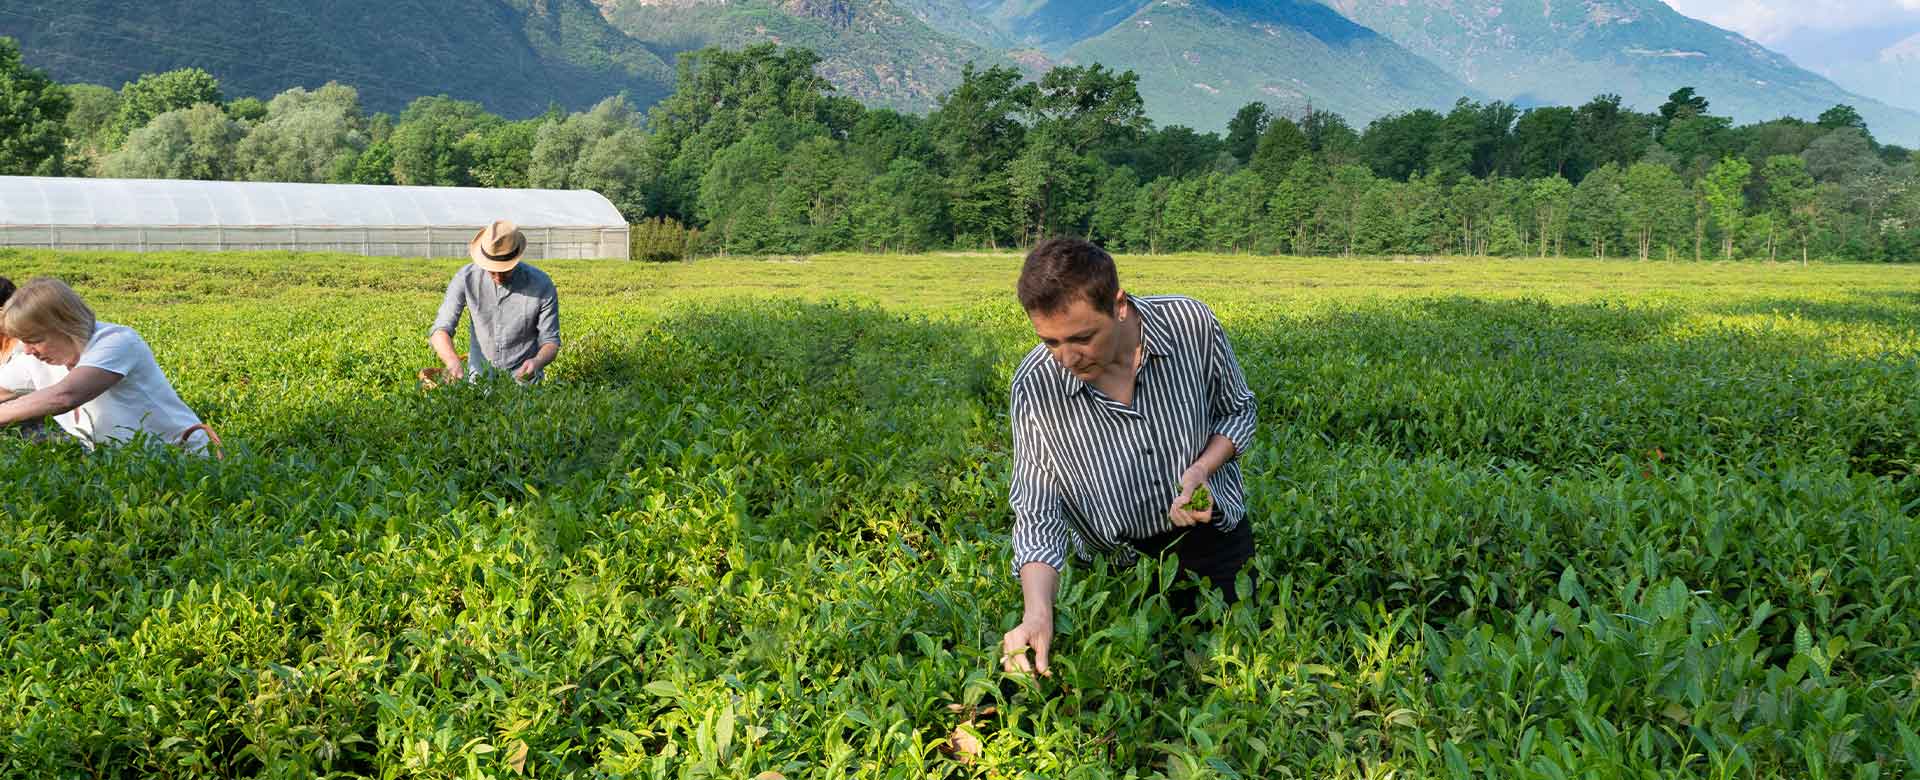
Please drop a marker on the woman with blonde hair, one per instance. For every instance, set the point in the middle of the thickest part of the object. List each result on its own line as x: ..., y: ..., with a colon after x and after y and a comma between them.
x: 21, y: 373
x: 113, y: 385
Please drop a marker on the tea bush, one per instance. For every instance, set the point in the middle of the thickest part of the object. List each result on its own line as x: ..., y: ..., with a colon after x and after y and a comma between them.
x: 661, y: 240
x: 1534, y: 520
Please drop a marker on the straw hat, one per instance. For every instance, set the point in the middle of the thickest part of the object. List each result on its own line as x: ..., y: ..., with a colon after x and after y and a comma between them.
x: 498, y: 246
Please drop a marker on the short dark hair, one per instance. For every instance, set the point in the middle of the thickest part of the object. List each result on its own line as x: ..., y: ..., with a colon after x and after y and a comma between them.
x: 6, y: 290
x: 1061, y: 268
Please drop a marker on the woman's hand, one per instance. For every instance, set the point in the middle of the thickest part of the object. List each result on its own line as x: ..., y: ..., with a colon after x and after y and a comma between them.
x: 1035, y: 633
x: 1181, y: 516
x: 1039, y: 583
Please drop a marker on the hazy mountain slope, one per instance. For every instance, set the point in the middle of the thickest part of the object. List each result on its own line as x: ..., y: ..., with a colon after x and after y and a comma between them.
x: 1201, y: 60
x: 1566, y: 51
x: 872, y: 50
x: 1892, y: 76
x: 514, y: 55
x: 1056, y: 25
x: 967, y: 20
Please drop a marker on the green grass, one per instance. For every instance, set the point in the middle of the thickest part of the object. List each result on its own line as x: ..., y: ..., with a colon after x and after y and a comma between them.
x: 1516, y: 519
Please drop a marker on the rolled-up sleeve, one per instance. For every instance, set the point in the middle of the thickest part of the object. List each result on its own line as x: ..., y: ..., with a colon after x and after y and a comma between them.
x: 550, y: 317
x: 452, y: 305
x: 1039, y: 515
x: 1230, y: 401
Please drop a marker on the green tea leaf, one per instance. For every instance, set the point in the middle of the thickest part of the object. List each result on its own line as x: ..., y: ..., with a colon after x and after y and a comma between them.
x: 1576, y: 684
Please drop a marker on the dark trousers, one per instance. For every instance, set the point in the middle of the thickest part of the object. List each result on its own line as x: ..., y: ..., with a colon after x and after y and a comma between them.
x: 1202, y: 550
x: 36, y: 430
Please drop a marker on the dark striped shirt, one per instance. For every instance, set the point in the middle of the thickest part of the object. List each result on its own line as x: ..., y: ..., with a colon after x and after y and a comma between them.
x: 1090, y: 473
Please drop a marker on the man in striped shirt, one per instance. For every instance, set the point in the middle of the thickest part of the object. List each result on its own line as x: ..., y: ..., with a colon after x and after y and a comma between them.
x: 1125, y: 408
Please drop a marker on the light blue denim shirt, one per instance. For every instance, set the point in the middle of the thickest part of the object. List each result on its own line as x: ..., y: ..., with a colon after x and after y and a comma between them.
x: 510, y: 322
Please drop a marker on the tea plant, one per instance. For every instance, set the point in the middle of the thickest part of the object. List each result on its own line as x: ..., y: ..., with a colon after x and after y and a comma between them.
x: 1201, y: 500
x: 1534, y: 520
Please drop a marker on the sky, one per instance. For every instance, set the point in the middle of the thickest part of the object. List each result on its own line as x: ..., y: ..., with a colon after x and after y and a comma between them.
x: 1839, y: 39
x: 1771, y: 21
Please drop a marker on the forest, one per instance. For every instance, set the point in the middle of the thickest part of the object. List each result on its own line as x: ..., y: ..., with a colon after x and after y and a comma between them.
x: 754, y: 153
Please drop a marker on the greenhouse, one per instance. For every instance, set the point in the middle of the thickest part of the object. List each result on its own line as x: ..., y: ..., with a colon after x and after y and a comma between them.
x: 143, y: 215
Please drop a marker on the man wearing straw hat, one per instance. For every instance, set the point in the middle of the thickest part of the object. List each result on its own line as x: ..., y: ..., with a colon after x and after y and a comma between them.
x: 516, y: 311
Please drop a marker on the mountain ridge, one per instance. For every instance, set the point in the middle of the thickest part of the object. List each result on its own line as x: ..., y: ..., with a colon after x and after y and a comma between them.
x: 1210, y: 57
x: 873, y: 50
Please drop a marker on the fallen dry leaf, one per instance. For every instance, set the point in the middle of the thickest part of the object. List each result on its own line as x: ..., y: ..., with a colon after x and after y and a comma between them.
x: 517, y: 757
x: 963, y: 745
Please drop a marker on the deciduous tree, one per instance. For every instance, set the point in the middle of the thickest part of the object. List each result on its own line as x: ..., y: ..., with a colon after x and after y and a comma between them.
x: 185, y: 143
x: 157, y: 93
x: 33, y: 116
x: 1724, y: 189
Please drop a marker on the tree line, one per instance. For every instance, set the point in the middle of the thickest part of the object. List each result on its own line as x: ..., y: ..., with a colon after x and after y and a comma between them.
x: 754, y: 153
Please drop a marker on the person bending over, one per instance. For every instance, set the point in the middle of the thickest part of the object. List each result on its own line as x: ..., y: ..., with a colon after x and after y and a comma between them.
x: 113, y: 387
x: 516, y: 311
x: 1123, y: 411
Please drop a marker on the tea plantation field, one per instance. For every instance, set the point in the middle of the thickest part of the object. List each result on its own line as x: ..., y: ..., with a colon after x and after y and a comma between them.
x: 1527, y: 519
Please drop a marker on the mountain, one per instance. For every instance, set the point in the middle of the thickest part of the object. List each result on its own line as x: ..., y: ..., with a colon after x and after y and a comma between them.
x: 1058, y: 24
x: 1889, y: 75
x: 872, y: 50
x: 1565, y: 52
x: 513, y: 55
x: 1199, y: 61
x: 967, y: 20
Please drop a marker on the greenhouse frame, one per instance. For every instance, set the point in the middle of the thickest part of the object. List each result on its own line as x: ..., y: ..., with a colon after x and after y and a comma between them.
x: 153, y: 215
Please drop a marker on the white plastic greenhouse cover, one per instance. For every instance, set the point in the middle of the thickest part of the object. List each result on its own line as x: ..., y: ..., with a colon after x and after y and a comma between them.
x: 44, y: 201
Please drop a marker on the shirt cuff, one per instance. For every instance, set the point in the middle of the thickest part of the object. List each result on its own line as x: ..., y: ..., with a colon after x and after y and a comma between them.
x: 1238, y: 429
x: 1055, y: 558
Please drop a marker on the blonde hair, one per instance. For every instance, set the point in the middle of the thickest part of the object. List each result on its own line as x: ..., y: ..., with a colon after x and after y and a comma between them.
x: 47, y: 307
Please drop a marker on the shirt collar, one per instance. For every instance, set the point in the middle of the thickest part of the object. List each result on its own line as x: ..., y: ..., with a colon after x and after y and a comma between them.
x: 1158, y: 333
x: 1154, y: 330
x: 520, y: 278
